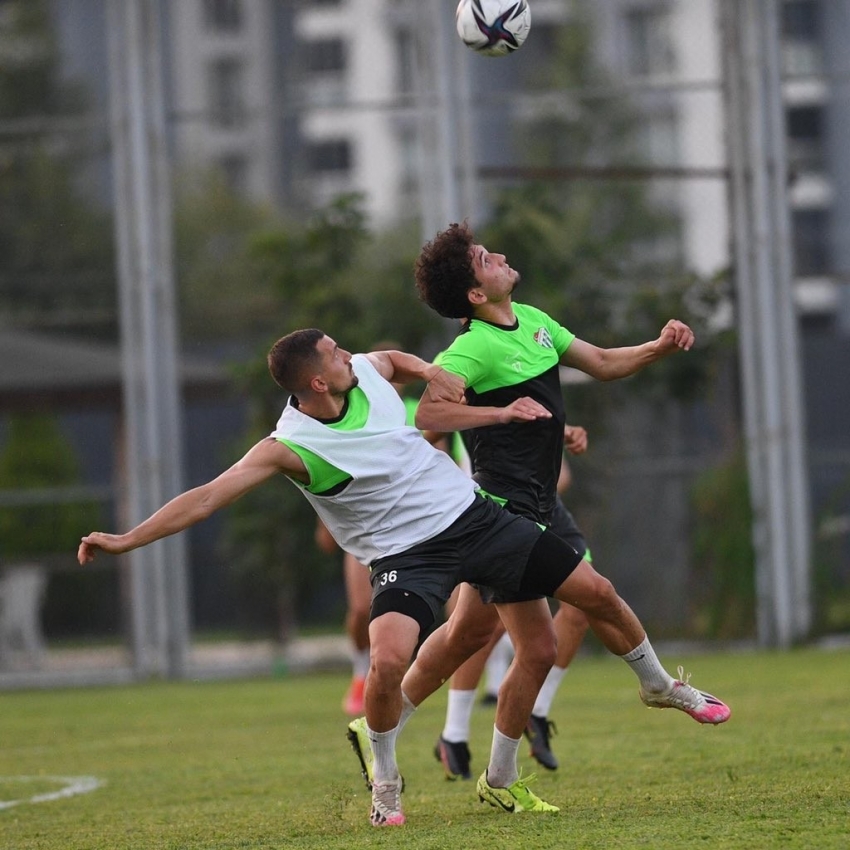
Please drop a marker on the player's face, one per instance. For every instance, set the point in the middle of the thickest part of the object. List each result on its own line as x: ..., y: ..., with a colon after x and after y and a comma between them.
x: 337, y: 370
x: 492, y: 273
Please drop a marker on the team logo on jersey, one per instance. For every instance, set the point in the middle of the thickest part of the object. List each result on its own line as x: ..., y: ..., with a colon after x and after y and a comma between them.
x: 542, y: 337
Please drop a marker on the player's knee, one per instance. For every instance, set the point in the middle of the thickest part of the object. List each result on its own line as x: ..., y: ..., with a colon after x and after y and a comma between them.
x: 387, y: 666
x: 538, y: 652
x: 600, y: 598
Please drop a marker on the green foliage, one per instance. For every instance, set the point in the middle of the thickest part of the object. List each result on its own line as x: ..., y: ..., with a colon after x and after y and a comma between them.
x: 35, y: 456
x: 830, y: 558
x: 223, y: 293
x: 264, y: 765
x: 55, y: 248
x: 723, y: 554
x: 586, y: 276
x: 29, y: 67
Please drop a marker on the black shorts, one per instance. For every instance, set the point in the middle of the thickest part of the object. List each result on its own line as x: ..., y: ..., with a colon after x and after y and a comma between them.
x: 562, y: 524
x: 486, y: 545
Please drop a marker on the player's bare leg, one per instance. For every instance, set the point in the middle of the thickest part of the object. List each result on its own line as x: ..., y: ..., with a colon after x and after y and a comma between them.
x: 393, y: 638
x: 358, y: 597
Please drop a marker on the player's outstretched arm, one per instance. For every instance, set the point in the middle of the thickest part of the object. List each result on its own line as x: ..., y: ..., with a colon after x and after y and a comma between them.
x: 262, y: 461
x: 403, y: 368
x: 609, y: 364
x: 450, y: 416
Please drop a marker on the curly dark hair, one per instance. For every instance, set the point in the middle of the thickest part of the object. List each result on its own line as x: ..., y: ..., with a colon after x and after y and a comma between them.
x: 444, y: 274
x: 292, y: 359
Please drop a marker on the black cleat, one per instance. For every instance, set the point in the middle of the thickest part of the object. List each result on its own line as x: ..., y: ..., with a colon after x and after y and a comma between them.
x: 455, y: 758
x: 538, y: 731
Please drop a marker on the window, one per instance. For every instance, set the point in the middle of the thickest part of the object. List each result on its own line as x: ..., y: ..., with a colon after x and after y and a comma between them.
x: 801, y: 19
x: 405, y: 61
x: 811, y: 246
x: 648, y: 43
x: 659, y: 139
x: 802, y: 49
x: 227, y: 105
x: 805, y: 130
x: 324, y: 56
x: 223, y: 15
x: 331, y: 156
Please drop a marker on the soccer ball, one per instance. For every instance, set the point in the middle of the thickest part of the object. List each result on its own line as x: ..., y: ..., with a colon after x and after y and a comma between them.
x: 493, y: 27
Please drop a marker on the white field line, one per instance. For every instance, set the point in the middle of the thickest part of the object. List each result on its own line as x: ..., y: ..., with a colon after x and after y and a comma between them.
x: 72, y: 785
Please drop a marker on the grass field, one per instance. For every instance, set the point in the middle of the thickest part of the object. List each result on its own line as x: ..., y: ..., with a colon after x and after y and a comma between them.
x: 265, y: 764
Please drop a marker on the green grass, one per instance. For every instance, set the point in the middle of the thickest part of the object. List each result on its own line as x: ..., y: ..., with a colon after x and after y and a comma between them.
x: 265, y: 764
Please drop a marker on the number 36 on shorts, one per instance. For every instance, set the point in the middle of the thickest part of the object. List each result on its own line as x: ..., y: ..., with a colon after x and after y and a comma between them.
x: 388, y: 577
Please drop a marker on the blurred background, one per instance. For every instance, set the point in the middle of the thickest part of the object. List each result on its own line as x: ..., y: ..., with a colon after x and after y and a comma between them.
x: 181, y: 183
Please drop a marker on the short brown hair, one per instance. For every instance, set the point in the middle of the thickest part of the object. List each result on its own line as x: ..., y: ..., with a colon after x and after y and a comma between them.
x: 444, y: 273
x: 293, y: 358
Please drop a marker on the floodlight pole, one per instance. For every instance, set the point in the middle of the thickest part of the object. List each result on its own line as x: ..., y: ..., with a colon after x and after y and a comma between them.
x: 154, y: 456
x: 767, y: 324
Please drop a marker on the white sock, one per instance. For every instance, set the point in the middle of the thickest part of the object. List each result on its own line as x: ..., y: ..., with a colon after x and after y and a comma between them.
x: 407, y: 709
x: 383, y: 748
x: 498, y: 663
x: 646, y: 666
x: 458, y: 716
x: 543, y: 704
x: 359, y: 662
x: 502, y: 770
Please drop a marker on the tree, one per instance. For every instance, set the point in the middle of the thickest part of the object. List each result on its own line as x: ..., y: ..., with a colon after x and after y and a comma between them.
x: 56, y: 251
x: 223, y: 291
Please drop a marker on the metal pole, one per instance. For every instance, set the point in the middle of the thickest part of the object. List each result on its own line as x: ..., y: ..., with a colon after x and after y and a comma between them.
x: 788, y: 353
x: 467, y: 159
x: 151, y: 392
x: 447, y: 149
x: 771, y: 392
x: 426, y: 142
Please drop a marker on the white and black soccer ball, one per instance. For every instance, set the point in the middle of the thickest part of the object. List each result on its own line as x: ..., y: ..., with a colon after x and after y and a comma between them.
x: 493, y: 27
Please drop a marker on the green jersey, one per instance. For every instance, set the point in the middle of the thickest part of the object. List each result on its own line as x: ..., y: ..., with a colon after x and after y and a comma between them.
x: 520, y: 461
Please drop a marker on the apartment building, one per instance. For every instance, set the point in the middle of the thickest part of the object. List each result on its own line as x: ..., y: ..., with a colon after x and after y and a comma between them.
x: 221, y: 62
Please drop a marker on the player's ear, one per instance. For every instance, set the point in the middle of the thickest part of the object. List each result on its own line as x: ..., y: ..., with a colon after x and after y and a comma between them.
x: 318, y: 384
x: 476, y: 296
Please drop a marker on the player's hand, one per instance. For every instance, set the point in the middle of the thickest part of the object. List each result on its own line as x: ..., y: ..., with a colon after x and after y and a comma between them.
x: 675, y: 334
x: 445, y: 386
x: 523, y: 410
x: 97, y: 541
x: 575, y: 439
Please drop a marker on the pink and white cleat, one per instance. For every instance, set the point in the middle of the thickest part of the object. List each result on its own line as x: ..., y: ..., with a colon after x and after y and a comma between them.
x: 703, y: 707
x: 386, y: 804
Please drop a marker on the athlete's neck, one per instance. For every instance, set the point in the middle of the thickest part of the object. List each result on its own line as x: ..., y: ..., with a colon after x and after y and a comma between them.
x: 498, y: 314
x: 322, y: 405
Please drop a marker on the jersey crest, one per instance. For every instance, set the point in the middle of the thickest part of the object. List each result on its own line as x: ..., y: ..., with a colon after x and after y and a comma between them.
x: 543, y: 338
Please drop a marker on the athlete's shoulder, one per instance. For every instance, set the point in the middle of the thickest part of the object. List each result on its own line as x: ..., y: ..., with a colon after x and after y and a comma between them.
x: 542, y: 324
x: 469, y: 337
x: 362, y: 360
